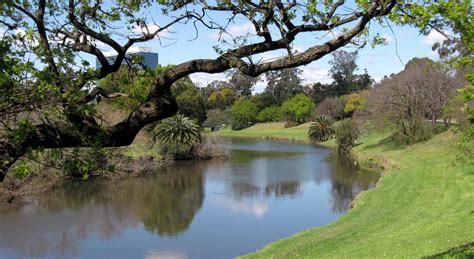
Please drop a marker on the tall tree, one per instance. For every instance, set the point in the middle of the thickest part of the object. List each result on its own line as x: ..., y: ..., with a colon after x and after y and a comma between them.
x: 284, y: 84
x: 343, y: 68
x: 242, y: 83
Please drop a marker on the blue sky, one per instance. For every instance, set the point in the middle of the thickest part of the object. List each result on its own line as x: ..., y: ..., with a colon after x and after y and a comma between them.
x: 379, y: 61
x: 180, y: 44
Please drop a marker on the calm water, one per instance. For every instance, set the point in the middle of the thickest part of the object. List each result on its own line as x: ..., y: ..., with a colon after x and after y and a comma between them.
x: 208, y: 209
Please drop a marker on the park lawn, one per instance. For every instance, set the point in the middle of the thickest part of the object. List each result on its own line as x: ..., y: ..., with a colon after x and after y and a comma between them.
x: 423, y: 205
x: 273, y: 130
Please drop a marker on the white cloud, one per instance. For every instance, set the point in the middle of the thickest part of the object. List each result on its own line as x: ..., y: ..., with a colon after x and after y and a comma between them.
x: 432, y: 38
x: 257, y: 208
x: 203, y: 79
x: 234, y: 31
x: 150, y: 28
x: 313, y: 74
x: 260, y: 86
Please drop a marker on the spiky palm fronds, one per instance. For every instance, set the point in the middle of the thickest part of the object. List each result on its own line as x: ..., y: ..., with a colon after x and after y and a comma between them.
x: 321, y: 129
x: 178, y: 130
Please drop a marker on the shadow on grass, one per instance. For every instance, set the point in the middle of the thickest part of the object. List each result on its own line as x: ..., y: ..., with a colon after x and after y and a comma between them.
x: 385, y: 144
x: 462, y: 251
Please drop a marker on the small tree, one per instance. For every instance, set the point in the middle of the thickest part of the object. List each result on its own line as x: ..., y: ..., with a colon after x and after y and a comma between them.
x: 272, y: 113
x: 346, y: 135
x: 298, y: 109
x: 321, y: 129
x: 355, y: 102
x: 178, y: 135
x: 244, y: 113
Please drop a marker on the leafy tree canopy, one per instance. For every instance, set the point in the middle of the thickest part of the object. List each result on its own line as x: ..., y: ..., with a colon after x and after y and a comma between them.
x: 47, y: 85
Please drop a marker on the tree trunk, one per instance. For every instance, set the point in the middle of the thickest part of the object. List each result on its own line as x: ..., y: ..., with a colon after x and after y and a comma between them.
x: 160, y: 106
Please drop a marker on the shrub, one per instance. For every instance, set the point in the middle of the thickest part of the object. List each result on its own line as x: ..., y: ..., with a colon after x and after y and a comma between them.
x: 298, y: 109
x: 178, y: 130
x: 21, y: 170
x: 321, y: 129
x: 272, y: 113
x: 346, y: 135
x: 244, y: 112
x: 423, y: 132
x: 178, y: 136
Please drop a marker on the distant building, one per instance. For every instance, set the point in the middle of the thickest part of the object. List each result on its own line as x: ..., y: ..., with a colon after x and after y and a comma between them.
x: 150, y: 59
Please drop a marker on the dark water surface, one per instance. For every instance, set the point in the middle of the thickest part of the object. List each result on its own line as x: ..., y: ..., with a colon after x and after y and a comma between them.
x: 208, y: 209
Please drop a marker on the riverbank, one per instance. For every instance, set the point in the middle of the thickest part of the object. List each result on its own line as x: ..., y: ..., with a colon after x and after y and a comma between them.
x: 424, y: 204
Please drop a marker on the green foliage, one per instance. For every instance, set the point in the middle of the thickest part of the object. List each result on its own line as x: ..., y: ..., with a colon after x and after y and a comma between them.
x: 346, y: 135
x: 244, y: 113
x: 298, y: 109
x: 176, y: 151
x: 178, y: 130
x: 354, y: 102
x: 283, y: 84
x: 465, y: 119
x: 270, y: 114
x: 222, y: 99
x: 83, y: 162
x: 322, y: 129
x: 135, y: 84
x: 192, y: 103
x: 424, y: 132
x: 21, y: 170
x: 178, y: 136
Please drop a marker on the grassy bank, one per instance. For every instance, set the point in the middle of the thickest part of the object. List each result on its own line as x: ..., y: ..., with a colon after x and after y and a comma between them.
x: 275, y: 131
x: 424, y: 204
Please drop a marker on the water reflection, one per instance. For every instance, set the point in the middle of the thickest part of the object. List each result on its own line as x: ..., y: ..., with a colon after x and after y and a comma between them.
x: 57, y: 221
x: 207, y: 209
x: 347, y: 180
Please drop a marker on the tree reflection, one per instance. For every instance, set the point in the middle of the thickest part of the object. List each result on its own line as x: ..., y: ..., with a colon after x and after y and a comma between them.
x: 347, y: 180
x: 55, y: 222
x: 174, y: 200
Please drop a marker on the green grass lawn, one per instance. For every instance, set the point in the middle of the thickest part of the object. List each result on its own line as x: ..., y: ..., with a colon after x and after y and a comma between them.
x: 274, y: 130
x: 423, y: 205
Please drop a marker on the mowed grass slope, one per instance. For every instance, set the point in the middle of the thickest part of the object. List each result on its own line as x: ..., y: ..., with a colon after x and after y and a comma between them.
x: 275, y: 130
x: 423, y: 205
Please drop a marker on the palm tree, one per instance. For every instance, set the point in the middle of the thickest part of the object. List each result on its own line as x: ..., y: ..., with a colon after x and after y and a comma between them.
x: 178, y: 130
x: 321, y: 129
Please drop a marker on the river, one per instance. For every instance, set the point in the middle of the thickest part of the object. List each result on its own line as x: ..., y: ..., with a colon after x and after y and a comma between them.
x: 266, y: 191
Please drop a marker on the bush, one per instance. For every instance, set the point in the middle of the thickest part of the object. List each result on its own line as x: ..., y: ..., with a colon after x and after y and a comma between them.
x: 21, y: 171
x: 244, y: 113
x: 176, y: 151
x: 298, y: 109
x: 272, y: 113
x: 321, y: 129
x: 178, y: 136
x: 346, y: 135
x: 424, y: 131
x: 178, y: 130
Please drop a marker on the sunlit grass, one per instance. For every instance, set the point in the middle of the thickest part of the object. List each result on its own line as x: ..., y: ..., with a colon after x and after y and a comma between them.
x: 274, y: 130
